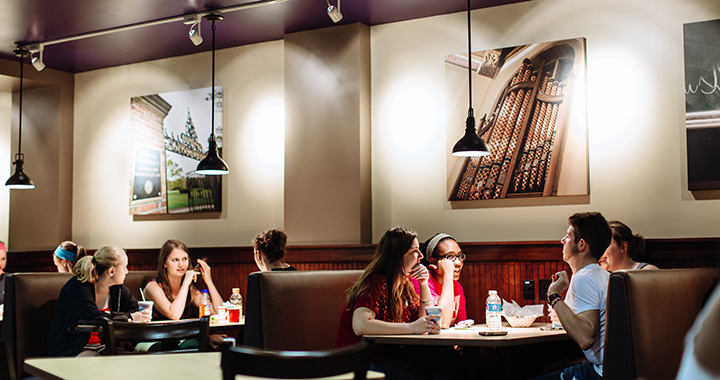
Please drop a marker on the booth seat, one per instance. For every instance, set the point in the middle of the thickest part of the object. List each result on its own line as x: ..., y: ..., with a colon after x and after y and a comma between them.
x: 649, y: 312
x: 295, y: 310
x: 30, y: 300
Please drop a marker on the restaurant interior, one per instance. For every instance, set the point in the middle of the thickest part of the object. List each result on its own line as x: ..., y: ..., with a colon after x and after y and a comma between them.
x: 335, y: 132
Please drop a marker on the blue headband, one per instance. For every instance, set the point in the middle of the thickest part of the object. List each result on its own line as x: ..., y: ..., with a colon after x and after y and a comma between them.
x: 65, y: 255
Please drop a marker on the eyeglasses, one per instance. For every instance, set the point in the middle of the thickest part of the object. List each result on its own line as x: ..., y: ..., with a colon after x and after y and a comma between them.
x: 461, y: 257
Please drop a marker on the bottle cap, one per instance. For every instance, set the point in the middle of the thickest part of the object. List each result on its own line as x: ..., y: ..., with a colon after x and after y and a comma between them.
x: 205, y: 291
x: 492, y: 292
x: 236, y: 290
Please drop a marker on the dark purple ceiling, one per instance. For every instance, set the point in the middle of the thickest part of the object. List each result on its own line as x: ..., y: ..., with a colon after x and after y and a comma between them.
x: 28, y: 21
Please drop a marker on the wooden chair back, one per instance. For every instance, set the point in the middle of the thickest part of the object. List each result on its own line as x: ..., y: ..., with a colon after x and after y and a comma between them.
x: 295, y: 364
x: 114, y: 332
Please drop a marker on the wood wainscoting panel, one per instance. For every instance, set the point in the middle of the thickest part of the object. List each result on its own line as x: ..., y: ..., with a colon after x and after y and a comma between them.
x: 500, y: 266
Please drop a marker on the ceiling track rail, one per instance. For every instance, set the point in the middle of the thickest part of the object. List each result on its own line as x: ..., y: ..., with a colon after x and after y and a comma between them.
x: 167, y: 20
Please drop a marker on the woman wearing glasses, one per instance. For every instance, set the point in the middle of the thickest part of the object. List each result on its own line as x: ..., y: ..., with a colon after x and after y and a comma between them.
x: 445, y: 259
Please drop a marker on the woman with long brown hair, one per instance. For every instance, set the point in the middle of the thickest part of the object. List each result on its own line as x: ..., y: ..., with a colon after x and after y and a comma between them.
x: 384, y: 301
x: 174, y: 291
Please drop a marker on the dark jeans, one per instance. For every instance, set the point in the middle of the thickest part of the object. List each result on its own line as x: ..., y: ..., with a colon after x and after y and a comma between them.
x: 581, y: 371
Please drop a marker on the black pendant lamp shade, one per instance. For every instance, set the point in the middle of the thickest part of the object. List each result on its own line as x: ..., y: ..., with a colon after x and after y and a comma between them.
x: 213, y: 164
x: 19, y: 180
x: 470, y: 145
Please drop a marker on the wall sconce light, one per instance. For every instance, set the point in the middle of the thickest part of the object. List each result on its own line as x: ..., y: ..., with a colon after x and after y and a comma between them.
x: 213, y: 164
x: 470, y: 145
x: 19, y: 180
x: 37, y: 60
x: 334, y: 13
x: 194, y: 33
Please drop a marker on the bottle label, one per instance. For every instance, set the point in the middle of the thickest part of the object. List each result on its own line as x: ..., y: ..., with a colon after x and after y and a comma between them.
x: 205, y: 310
x: 494, y: 307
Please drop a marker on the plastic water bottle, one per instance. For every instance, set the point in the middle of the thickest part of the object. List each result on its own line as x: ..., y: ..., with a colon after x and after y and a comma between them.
x: 205, y: 304
x: 493, y: 312
x: 236, y: 300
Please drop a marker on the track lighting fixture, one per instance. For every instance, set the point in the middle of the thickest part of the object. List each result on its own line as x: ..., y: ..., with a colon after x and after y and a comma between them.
x: 195, y: 28
x: 36, y: 56
x: 213, y: 164
x: 19, y: 180
x: 470, y: 145
x: 334, y: 13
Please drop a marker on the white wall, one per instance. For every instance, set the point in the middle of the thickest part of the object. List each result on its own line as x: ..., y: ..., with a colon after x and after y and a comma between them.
x: 636, y: 118
x: 636, y: 131
x: 252, y: 80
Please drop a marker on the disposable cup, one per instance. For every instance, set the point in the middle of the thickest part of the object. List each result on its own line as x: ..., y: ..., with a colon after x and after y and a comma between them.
x: 233, y: 314
x: 435, y: 313
x: 146, y: 305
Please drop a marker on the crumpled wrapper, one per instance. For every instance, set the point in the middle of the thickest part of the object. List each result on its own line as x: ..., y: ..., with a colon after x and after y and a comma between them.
x: 514, y: 310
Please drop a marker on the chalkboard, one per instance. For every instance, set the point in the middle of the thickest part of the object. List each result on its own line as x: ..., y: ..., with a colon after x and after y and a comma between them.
x: 702, y: 66
x: 146, y: 176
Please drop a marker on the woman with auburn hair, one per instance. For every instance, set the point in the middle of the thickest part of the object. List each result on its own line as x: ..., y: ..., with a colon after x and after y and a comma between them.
x: 625, y: 250
x: 66, y: 255
x: 174, y: 291
x: 96, y: 290
x: 384, y: 301
x: 269, y: 250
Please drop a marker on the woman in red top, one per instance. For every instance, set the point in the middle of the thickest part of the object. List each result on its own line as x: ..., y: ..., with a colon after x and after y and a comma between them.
x: 384, y: 301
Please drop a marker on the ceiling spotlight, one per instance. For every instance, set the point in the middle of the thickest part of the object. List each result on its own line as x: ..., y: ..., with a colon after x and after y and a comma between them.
x: 334, y: 13
x: 36, y: 56
x: 194, y: 33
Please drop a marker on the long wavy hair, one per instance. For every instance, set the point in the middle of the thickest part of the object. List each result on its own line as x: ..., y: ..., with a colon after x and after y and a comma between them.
x: 388, y: 262
x: 162, y: 277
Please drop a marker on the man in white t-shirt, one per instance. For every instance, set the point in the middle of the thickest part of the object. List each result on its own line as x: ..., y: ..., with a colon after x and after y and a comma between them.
x: 582, y: 312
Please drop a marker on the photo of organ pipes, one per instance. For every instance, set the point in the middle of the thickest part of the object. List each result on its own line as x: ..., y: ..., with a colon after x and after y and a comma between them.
x: 530, y: 107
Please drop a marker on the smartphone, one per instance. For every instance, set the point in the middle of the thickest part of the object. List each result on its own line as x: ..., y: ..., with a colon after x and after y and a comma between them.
x: 492, y: 333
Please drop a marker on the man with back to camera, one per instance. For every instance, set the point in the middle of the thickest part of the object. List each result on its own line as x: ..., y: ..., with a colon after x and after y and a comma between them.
x: 582, y: 312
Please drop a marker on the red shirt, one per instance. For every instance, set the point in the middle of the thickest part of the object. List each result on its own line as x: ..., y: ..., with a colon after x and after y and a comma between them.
x: 94, y: 337
x: 374, y: 298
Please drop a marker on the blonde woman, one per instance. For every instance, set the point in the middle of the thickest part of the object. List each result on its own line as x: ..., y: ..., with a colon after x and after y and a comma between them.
x: 96, y: 290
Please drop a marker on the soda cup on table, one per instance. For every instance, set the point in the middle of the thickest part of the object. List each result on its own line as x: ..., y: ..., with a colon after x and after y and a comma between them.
x: 435, y: 313
x: 145, y: 305
x: 236, y: 301
x: 493, y: 312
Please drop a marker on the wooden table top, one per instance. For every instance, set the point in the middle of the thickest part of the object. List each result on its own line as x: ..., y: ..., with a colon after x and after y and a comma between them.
x: 470, y: 337
x: 204, y: 365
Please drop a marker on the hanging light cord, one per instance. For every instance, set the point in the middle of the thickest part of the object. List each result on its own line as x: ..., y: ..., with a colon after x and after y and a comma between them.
x: 469, y: 63
x: 19, y: 154
x: 212, y: 111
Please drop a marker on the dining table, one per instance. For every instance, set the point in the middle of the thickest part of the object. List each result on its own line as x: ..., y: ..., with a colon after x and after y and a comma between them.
x: 203, y: 365
x: 470, y: 336
x: 525, y: 351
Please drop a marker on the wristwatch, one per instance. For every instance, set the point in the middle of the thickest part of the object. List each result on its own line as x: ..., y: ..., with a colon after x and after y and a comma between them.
x: 553, y: 299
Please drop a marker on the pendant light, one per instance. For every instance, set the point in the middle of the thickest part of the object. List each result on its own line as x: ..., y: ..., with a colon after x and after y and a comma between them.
x: 213, y: 164
x: 470, y: 144
x: 19, y: 180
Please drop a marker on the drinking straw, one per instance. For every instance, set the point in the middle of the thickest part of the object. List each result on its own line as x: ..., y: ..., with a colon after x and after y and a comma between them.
x: 142, y: 294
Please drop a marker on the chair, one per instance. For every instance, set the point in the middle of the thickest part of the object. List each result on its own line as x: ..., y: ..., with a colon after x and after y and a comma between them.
x: 295, y: 310
x: 647, y: 316
x: 295, y: 364
x: 30, y: 300
x: 151, y: 332
x: 138, y: 279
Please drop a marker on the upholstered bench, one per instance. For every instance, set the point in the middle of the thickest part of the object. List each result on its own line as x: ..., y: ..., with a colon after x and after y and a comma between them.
x: 648, y: 314
x: 295, y: 310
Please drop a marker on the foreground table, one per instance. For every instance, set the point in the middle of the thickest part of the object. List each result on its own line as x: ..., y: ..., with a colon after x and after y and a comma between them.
x: 526, y: 351
x: 205, y: 365
x: 470, y: 337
